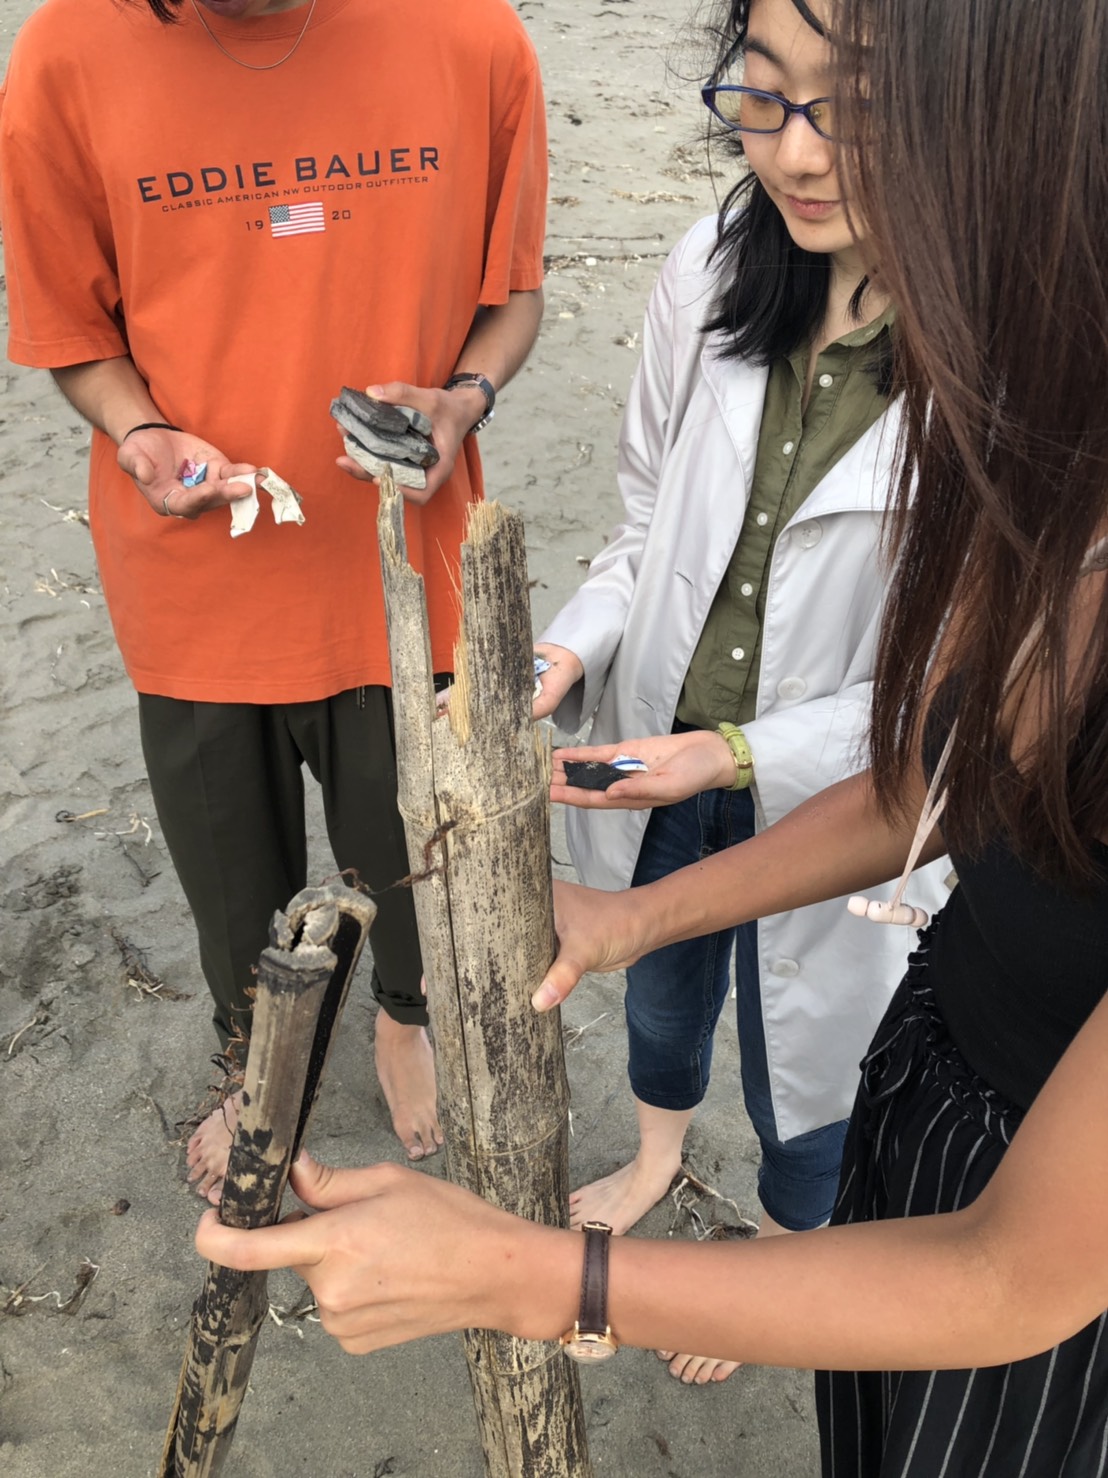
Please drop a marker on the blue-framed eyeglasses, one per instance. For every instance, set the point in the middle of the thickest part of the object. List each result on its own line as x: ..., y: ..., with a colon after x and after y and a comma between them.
x: 749, y: 110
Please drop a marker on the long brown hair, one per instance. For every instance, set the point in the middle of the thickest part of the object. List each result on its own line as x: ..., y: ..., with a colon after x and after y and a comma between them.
x: 980, y: 166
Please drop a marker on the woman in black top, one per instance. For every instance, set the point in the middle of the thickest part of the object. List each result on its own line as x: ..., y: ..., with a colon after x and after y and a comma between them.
x: 958, y: 1303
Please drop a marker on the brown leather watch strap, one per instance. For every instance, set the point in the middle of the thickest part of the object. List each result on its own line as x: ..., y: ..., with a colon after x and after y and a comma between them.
x: 593, y: 1318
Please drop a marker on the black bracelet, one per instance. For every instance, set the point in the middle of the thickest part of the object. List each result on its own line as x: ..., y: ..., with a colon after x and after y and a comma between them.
x: 151, y: 426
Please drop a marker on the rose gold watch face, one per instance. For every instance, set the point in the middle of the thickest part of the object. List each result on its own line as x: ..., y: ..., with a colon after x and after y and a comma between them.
x: 588, y: 1347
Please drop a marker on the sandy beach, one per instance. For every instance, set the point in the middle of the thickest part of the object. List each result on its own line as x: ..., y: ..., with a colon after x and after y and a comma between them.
x: 104, y: 1016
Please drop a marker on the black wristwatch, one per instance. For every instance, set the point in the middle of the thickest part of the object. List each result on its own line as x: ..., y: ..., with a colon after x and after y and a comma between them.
x: 591, y: 1337
x: 485, y: 387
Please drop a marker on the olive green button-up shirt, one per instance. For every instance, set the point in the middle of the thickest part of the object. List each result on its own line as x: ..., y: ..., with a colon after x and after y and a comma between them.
x: 798, y: 445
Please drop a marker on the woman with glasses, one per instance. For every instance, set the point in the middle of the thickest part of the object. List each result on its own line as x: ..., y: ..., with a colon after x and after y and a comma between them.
x: 956, y: 1304
x: 740, y: 601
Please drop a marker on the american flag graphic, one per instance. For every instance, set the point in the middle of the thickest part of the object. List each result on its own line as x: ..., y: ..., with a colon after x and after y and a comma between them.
x: 295, y: 220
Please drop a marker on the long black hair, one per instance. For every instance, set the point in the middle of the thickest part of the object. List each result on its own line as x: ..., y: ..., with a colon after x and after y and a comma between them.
x: 995, y: 259
x: 772, y: 293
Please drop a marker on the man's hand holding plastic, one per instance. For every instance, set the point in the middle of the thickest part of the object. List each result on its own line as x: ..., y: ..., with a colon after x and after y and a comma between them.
x: 153, y: 458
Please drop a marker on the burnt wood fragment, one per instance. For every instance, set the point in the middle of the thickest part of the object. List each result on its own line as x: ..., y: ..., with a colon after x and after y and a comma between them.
x: 302, y: 983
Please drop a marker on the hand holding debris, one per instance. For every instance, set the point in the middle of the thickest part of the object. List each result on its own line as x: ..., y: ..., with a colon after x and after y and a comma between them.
x: 676, y: 766
x: 166, y: 467
x: 418, y: 432
x: 562, y: 670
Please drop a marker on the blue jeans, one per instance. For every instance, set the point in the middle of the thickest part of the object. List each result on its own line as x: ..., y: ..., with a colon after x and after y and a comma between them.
x: 674, y: 999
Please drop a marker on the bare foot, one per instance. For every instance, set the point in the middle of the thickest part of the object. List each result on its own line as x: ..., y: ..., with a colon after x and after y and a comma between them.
x: 700, y: 1370
x: 210, y: 1148
x: 624, y: 1197
x: 406, y: 1072
x: 697, y: 1370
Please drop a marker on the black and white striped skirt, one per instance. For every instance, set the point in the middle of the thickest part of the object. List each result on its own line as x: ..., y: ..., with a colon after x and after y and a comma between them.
x: 925, y: 1136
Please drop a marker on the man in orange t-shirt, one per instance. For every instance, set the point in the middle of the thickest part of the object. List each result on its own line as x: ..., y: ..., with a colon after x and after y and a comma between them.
x: 218, y: 212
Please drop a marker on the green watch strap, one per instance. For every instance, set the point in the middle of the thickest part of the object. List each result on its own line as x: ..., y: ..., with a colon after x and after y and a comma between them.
x: 741, y: 752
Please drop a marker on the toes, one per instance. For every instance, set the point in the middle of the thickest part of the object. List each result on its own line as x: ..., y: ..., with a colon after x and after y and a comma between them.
x: 666, y: 1355
x: 724, y: 1369
x: 215, y: 1193
x: 415, y: 1150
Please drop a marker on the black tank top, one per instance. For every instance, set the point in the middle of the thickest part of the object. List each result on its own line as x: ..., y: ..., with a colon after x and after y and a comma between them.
x: 1018, y: 963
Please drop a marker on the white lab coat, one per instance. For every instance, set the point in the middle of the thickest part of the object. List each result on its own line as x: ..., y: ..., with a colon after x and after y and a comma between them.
x: 687, y: 454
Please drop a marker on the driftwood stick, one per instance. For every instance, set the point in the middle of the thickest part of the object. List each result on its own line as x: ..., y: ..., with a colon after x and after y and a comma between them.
x: 301, y: 986
x: 474, y: 785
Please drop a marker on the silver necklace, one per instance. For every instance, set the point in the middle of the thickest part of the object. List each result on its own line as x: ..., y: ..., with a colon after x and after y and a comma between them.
x: 253, y: 66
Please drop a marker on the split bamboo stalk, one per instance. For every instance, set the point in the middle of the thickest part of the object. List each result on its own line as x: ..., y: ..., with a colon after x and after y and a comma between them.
x: 302, y: 983
x: 474, y: 795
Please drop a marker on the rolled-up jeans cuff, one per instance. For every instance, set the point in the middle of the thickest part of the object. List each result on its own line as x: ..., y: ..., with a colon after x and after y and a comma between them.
x: 801, y: 1196
x: 676, y: 1102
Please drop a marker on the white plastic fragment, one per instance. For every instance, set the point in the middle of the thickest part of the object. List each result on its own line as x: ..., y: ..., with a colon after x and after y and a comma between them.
x: 244, y: 511
x: 286, y: 501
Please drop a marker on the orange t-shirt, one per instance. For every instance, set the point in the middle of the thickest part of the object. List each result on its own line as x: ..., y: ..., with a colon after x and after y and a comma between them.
x: 149, y: 187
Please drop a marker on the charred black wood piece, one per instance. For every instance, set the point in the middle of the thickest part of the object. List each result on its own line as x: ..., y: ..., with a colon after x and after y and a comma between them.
x: 396, y: 433
x: 592, y: 774
x: 302, y: 982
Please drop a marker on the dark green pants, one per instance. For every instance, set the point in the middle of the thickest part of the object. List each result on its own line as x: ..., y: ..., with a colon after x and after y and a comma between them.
x: 228, y: 786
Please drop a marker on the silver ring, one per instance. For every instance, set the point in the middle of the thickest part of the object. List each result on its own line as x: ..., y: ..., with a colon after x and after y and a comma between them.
x: 169, y: 513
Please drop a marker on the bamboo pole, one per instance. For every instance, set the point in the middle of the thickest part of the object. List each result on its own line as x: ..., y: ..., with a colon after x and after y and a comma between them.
x: 302, y: 983
x: 473, y: 789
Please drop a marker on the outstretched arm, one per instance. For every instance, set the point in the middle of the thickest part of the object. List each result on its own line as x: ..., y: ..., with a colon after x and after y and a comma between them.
x: 838, y: 842
x: 395, y: 1255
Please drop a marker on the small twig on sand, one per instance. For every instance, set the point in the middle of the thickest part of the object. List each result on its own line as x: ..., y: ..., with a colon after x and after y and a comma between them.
x: 138, y: 824
x: 14, y: 1302
x: 57, y: 583
x: 19, y: 1299
x: 686, y: 1191
x: 303, y: 1309
x: 69, y: 515
x: 69, y: 817
x: 571, y: 1035
x: 138, y: 974
x: 40, y: 1018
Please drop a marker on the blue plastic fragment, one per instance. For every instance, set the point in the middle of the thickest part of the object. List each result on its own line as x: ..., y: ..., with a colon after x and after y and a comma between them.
x: 629, y: 765
x: 194, y: 478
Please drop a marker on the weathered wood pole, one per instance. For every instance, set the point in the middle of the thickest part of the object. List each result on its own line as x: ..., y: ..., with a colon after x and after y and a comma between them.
x: 302, y: 982
x: 474, y: 794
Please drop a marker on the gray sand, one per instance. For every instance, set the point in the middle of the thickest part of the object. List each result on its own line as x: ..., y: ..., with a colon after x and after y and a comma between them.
x: 96, y: 1075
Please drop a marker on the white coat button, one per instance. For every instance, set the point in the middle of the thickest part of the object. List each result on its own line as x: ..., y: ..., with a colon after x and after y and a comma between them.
x: 809, y: 534
x: 762, y: 519
x: 787, y: 968
x: 827, y: 381
x: 746, y: 588
x: 738, y: 653
x: 792, y: 687
x: 787, y: 448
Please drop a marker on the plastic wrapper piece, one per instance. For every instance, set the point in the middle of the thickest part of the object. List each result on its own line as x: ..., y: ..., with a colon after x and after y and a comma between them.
x: 286, y: 501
